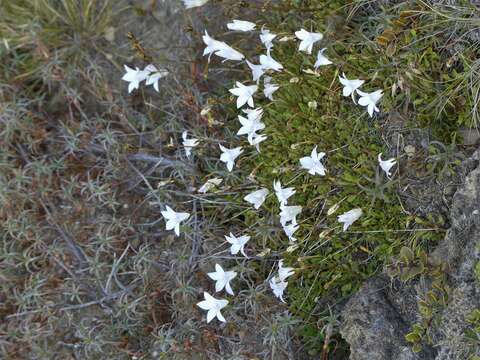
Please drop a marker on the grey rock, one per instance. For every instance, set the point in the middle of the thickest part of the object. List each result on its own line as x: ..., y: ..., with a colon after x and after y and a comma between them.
x: 373, y: 326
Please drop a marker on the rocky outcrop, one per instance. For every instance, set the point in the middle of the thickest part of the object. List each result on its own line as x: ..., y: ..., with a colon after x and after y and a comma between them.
x: 373, y: 326
x: 376, y: 320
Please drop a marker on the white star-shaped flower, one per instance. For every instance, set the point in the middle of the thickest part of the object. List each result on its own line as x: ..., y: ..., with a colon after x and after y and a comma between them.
x: 173, y: 219
x: 229, y: 155
x: 154, y: 75
x: 284, y: 272
x: 257, y: 71
x: 237, y: 243
x: 212, y: 45
x: 188, y: 144
x: 269, y: 63
x: 256, y: 113
x: 349, y: 217
x: 229, y: 53
x: 312, y: 163
x: 266, y: 37
x: 307, y: 40
x: 386, y: 165
x: 321, y: 59
x: 289, y: 214
x: 210, y: 184
x: 222, y: 279
x: 350, y: 86
x: 134, y: 77
x: 213, y: 306
x: 370, y: 100
x: 282, y: 193
x: 269, y: 89
x: 257, y: 140
x: 256, y: 198
x: 250, y: 126
x: 278, y: 287
x: 194, y: 3
x: 290, y: 231
x: 241, y: 25
x: 244, y: 94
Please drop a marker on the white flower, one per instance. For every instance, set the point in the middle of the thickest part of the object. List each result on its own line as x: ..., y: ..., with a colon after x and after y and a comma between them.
x: 257, y: 71
x: 250, y: 126
x: 289, y: 214
x: 212, y: 45
x: 256, y: 113
x: 222, y: 279
x: 238, y: 243
x: 284, y: 272
x: 229, y: 53
x: 349, y: 217
x: 210, y: 184
x: 269, y: 89
x: 307, y: 40
x: 241, y: 25
x: 229, y: 155
x: 269, y: 63
x: 290, y: 230
x: 219, y: 48
x: 321, y: 59
x: 257, y: 140
x: 257, y: 197
x: 282, y: 193
x: 350, y: 86
x: 386, y: 165
x: 194, y: 3
x: 154, y: 75
x: 266, y: 37
x: 213, y: 306
x: 189, y: 144
x: 278, y: 287
x: 173, y: 219
x: 244, y: 93
x: 312, y: 163
x: 134, y: 77
x: 370, y: 100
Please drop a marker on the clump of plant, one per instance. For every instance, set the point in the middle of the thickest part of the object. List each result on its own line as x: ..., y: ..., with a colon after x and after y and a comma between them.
x: 412, y: 265
x: 415, y: 72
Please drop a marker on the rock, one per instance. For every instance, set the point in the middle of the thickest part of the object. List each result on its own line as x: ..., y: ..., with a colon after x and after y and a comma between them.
x: 374, y: 327
x: 377, y: 318
x: 469, y: 136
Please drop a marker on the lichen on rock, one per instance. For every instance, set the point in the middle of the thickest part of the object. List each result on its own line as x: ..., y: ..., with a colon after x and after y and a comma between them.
x: 377, y: 319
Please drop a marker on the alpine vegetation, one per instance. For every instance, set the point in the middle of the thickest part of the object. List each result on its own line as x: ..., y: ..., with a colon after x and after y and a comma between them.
x: 251, y: 125
x: 233, y: 170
